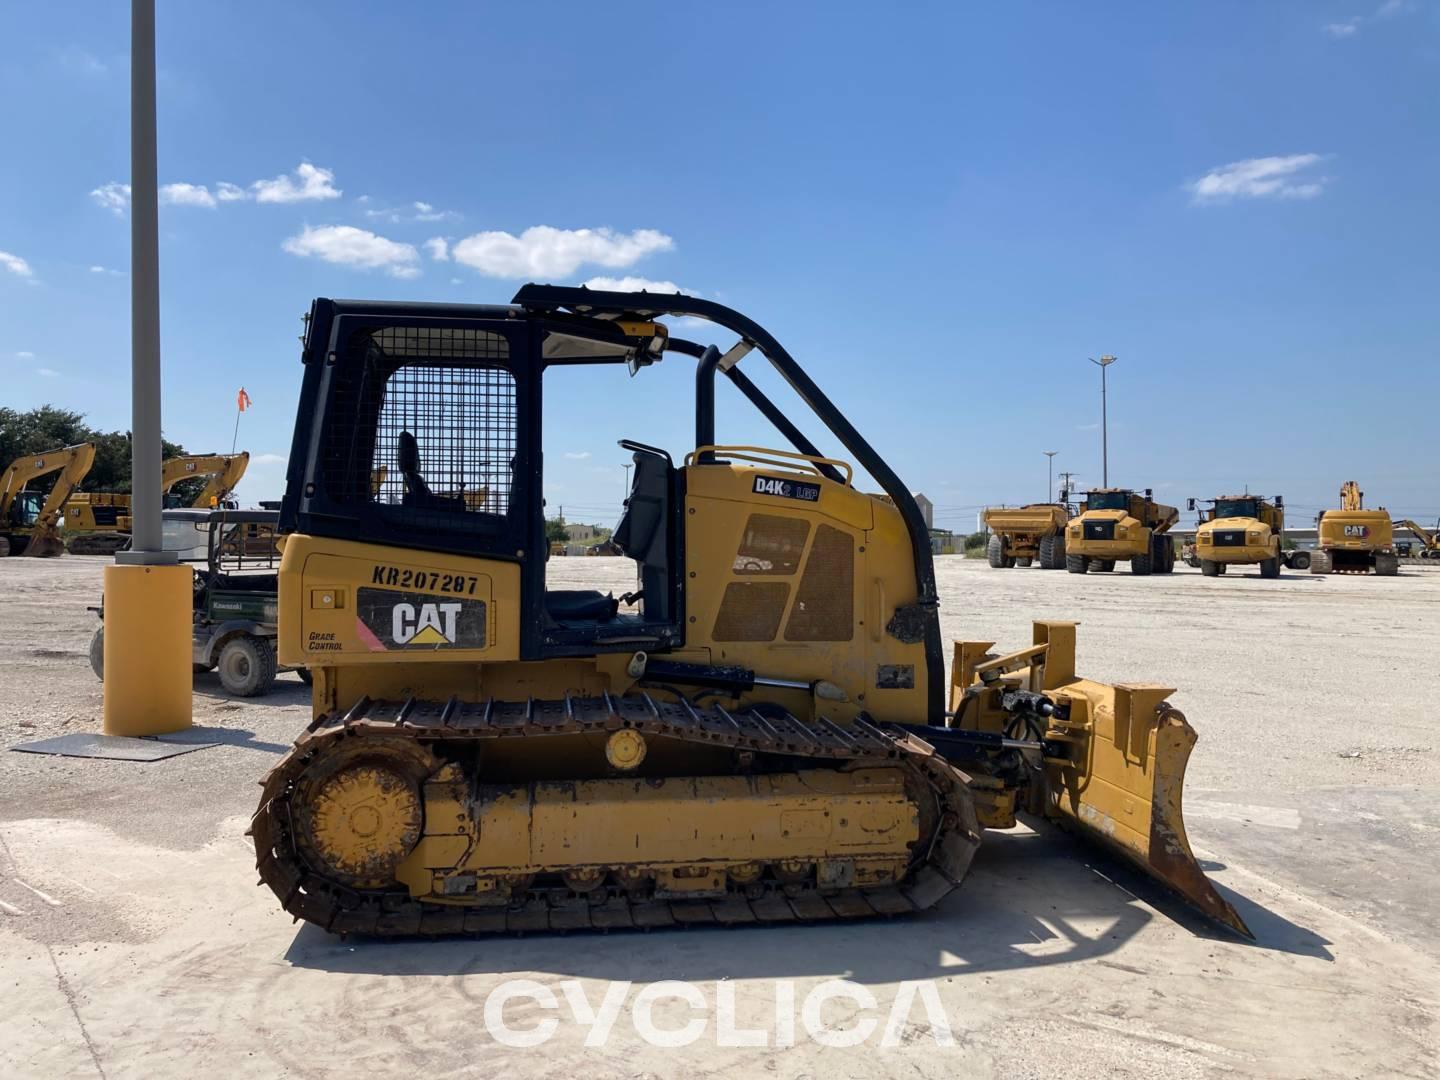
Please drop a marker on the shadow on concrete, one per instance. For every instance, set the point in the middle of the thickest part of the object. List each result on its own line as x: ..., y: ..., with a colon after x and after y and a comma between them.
x: 288, y: 690
x: 240, y: 737
x: 1031, y: 900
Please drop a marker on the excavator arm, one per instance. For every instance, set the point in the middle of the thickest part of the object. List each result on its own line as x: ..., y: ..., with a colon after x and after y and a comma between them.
x: 1351, y: 497
x: 72, y: 463
x: 1431, y: 540
x: 222, y: 470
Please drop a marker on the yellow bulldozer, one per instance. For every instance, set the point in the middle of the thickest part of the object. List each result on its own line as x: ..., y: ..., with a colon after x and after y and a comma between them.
x: 29, y: 519
x: 1244, y: 530
x: 1118, y: 525
x: 1353, y: 540
x: 1022, y: 535
x: 100, y: 521
x: 758, y: 733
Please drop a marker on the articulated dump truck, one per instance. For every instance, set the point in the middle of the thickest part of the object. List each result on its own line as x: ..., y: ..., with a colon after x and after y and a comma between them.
x: 759, y: 732
x: 1119, y: 525
x: 1244, y: 530
x: 1025, y: 534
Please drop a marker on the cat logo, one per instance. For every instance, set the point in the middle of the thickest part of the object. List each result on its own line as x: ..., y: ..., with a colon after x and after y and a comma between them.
x: 424, y: 624
x: 1357, y: 530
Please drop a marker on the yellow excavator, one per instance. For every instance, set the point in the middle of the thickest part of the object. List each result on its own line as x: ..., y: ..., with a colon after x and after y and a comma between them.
x: 1353, y: 540
x: 758, y: 733
x: 1429, y: 538
x: 101, y: 521
x: 29, y: 520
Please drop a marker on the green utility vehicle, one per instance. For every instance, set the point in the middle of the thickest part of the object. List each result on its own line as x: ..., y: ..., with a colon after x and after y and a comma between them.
x: 235, y: 559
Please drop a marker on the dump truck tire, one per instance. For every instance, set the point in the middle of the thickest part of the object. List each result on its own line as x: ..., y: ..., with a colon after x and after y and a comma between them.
x: 1047, y: 553
x: 4, y: 546
x: 1023, y: 560
x: 1386, y: 565
x: 1102, y: 566
x: 1162, y: 554
x: 1320, y: 562
x: 1141, y: 564
x: 97, y: 654
x: 995, y: 553
x: 1077, y: 564
x: 1270, y: 568
x: 1209, y: 568
x: 247, y: 666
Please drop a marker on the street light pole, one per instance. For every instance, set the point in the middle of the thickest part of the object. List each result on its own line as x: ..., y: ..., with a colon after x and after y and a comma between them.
x: 1103, y: 363
x: 1050, y: 484
x: 148, y: 594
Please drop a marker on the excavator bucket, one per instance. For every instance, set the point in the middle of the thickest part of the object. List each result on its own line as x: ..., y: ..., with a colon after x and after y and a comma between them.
x: 44, y: 545
x: 1127, y: 795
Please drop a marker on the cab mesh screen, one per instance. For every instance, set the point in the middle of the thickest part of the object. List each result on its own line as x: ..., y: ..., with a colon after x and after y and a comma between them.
x: 751, y: 611
x: 825, y: 603
x: 771, y: 545
x: 437, y: 420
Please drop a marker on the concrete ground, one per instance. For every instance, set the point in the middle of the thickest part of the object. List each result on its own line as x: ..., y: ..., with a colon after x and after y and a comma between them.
x: 133, y: 941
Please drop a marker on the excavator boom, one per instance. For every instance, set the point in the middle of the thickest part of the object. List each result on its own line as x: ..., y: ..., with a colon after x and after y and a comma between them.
x: 224, y: 471
x: 40, y: 537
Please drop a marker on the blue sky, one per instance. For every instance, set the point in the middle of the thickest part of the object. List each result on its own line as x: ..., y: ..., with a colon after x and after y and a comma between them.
x: 942, y: 210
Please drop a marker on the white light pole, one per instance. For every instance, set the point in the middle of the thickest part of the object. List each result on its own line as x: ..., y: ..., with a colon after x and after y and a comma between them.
x: 1103, y: 363
x: 1050, y: 484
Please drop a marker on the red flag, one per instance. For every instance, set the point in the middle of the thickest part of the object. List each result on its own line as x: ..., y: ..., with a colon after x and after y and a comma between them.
x: 242, y: 400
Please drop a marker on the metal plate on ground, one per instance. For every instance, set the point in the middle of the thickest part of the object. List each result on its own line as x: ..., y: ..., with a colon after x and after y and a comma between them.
x: 112, y: 747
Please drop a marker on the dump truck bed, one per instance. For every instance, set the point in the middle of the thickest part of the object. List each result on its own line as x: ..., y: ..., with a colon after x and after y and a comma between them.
x: 1041, y: 519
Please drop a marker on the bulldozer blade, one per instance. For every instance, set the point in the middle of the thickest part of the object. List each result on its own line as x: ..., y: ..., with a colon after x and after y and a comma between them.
x: 1124, y: 792
x: 44, y: 546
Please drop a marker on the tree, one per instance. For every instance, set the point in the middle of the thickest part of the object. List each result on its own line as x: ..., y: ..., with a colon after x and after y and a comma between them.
x: 555, y: 531
x: 48, y: 428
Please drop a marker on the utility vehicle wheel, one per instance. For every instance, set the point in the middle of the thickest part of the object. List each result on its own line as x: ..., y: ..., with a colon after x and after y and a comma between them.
x: 1141, y: 564
x: 1386, y: 565
x: 1024, y: 561
x: 1321, y: 562
x: 1210, y: 568
x: 995, y: 552
x: 97, y: 654
x: 1077, y: 564
x: 1102, y: 566
x: 247, y: 666
x: 1270, y: 568
x: 305, y: 676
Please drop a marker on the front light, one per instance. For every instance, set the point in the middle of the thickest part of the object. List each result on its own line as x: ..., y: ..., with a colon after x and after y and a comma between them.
x: 1253, y: 537
x: 1203, y: 539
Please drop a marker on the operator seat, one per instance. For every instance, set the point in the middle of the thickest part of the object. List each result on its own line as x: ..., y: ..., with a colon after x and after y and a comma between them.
x: 417, y: 492
x: 644, y: 530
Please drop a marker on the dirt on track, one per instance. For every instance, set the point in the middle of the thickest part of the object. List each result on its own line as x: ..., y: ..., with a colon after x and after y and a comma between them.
x: 133, y: 941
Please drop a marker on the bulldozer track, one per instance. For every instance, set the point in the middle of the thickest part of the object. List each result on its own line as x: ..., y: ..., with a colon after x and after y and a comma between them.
x: 765, y: 730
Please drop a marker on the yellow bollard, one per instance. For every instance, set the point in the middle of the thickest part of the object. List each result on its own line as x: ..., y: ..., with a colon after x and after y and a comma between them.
x: 148, y: 632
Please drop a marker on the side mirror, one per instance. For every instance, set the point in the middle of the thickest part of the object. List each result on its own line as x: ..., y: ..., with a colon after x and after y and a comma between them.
x: 1147, y: 493
x: 1189, y: 504
x: 1279, y: 502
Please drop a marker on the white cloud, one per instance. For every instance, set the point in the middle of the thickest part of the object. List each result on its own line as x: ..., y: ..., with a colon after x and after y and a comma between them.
x: 228, y: 192
x: 114, y: 196
x: 186, y: 195
x: 1348, y: 27
x: 635, y: 284
x: 74, y: 58
x: 346, y: 245
x: 1257, y: 178
x: 457, y: 281
x: 438, y: 248
x: 1342, y: 29
x: 106, y: 270
x: 310, y: 183
x: 577, y: 455
x: 543, y: 251
x: 49, y: 373
x: 269, y: 459
x: 15, y: 264
x: 416, y: 211
x: 24, y: 356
